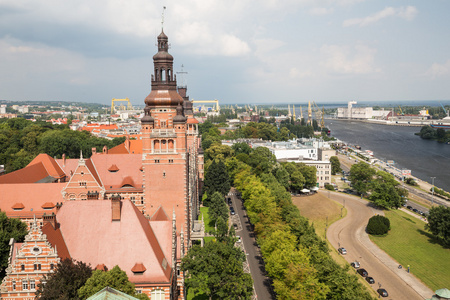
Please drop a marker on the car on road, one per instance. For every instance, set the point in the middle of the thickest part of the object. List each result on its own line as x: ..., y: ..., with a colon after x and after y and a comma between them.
x: 232, y: 212
x: 355, y: 264
x: 382, y: 293
x: 362, y: 272
x: 370, y: 280
x: 342, y: 251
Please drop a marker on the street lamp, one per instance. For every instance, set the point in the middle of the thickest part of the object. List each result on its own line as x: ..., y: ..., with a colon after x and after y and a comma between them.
x: 432, y: 191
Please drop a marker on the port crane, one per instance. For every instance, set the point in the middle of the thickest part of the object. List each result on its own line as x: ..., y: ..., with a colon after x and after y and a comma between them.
x: 114, y: 100
x: 445, y: 111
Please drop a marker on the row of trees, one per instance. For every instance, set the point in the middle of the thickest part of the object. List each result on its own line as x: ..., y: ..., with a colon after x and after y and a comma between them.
x: 76, y: 280
x: 296, y: 259
x: 22, y: 140
x: 381, y: 187
x: 439, y: 134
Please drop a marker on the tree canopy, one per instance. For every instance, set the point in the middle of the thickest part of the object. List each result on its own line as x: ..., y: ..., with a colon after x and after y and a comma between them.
x: 335, y: 165
x: 114, y: 278
x: 63, y: 284
x: 9, y: 228
x: 217, y: 179
x: 216, y: 270
x: 439, y: 223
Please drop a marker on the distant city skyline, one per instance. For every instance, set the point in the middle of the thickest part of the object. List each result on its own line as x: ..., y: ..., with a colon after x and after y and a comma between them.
x: 265, y: 52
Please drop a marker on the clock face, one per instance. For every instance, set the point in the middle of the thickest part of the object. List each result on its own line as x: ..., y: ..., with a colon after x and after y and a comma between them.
x: 36, y: 250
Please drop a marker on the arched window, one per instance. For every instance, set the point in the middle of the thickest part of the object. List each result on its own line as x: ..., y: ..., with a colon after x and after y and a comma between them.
x: 157, y: 295
x: 163, y: 75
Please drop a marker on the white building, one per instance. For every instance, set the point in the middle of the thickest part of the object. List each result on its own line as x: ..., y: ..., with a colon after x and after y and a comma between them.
x: 291, y: 150
x: 323, y: 167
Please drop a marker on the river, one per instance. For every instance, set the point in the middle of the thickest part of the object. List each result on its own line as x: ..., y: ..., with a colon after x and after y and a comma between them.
x: 424, y: 158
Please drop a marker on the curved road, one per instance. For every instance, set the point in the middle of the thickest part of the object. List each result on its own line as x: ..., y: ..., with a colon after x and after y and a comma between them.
x: 349, y: 233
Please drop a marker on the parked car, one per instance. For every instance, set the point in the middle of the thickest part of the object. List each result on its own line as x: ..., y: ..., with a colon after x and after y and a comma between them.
x: 342, y: 251
x: 238, y: 239
x: 235, y: 226
x: 355, y: 264
x: 362, y: 272
x: 232, y: 212
x: 382, y: 292
x: 409, y: 207
x: 370, y: 280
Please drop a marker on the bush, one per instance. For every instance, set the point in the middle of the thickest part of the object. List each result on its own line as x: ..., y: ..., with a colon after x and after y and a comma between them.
x: 378, y: 225
x: 329, y: 187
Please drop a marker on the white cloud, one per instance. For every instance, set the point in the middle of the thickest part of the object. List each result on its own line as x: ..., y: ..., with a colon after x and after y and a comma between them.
x: 347, y: 60
x: 438, y: 70
x: 320, y: 11
x: 407, y: 13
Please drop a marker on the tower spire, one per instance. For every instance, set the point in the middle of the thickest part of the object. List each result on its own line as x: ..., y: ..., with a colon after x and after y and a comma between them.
x: 162, y: 18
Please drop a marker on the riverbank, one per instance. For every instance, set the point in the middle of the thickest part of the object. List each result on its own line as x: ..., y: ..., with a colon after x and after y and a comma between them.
x: 408, y: 123
x: 401, y: 147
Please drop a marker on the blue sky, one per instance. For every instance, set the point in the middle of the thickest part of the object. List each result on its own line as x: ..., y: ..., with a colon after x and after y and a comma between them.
x: 236, y: 51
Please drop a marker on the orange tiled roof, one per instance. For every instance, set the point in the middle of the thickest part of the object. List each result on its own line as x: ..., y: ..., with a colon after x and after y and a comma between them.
x: 110, y: 243
x: 138, y: 268
x: 128, y: 170
x: 18, y: 205
x: 50, y: 165
x: 32, y: 196
x: 160, y: 215
x: 48, y: 205
x: 56, y: 239
x: 135, y: 147
x: 192, y: 121
x: 30, y: 174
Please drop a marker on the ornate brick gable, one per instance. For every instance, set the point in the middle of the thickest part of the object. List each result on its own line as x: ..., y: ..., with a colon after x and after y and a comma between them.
x: 28, y: 262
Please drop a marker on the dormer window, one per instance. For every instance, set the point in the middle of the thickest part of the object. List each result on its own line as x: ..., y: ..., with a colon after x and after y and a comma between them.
x: 138, y: 269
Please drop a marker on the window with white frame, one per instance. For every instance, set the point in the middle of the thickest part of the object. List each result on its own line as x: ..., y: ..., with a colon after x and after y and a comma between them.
x: 157, y: 295
x: 24, y: 285
x: 14, y: 285
x: 32, y: 284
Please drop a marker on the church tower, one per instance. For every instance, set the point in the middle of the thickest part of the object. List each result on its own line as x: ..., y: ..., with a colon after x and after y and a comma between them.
x: 165, y: 150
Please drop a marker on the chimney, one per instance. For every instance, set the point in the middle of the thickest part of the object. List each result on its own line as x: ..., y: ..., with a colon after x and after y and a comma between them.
x: 94, y: 150
x: 64, y: 159
x: 127, y: 143
x: 116, y: 206
x: 58, y: 206
x: 49, y: 219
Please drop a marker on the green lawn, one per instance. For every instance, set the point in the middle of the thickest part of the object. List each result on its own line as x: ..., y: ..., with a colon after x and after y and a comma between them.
x: 409, y: 244
x: 204, y: 212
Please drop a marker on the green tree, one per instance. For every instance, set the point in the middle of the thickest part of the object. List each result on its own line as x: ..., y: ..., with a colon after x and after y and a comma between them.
x: 216, y: 270
x: 282, y: 175
x: 378, y: 225
x: 335, y: 165
x: 9, y: 228
x: 262, y: 160
x: 217, y: 179
x: 361, y: 174
x: 439, y: 223
x: 114, y: 278
x: 64, y: 282
x: 309, y: 173
x: 217, y: 207
x: 241, y: 148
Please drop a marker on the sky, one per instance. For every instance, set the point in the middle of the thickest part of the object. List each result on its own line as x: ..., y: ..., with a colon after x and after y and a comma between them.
x: 235, y: 51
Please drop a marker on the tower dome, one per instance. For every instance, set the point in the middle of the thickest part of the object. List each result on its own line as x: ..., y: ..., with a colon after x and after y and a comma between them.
x: 164, y: 84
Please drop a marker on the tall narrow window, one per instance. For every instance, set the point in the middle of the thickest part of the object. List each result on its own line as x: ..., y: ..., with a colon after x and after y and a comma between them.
x: 32, y: 284
x: 14, y: 285
x: 24, y: 285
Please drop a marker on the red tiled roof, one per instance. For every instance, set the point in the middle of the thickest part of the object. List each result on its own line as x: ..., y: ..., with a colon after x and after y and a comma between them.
x: 128, y: 181
x: 48, y: 205
x: 18, y: 206
x: 31, y: 195
x: 135, y: 148
x: 56, y: 239
x: 128, y: 173
x: 29, y: 174
x: 50, y: 165
x: 192, y: 121
x: 120, y: 243
x: 160, y: 215
x: 113, y: 168
x: 138, y: 268
x: 101, y: 267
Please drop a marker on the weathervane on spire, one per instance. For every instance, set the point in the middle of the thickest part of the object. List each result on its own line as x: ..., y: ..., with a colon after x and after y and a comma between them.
x: 162, y: 19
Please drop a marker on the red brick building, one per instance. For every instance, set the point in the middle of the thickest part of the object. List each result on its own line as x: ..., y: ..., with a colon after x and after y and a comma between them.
x: 112, y: 208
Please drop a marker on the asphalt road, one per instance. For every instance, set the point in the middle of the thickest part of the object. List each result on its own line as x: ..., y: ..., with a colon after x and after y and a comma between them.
x: 349, y: 233
x: 262, y: 284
